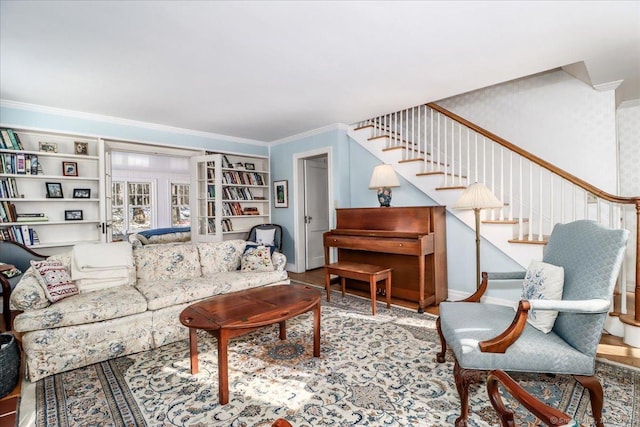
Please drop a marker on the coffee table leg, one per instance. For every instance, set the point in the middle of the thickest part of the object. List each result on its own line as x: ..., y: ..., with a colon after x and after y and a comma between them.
x: 316, y: 331
x: 193, y: 349
x: 223, y: 366
x: 283, y: 330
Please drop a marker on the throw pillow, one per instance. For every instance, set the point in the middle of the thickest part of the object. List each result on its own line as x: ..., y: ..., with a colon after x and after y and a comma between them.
x: 543, y: 281
x: 54, y: 279
x: 256, y: 259
x: 266, y: 236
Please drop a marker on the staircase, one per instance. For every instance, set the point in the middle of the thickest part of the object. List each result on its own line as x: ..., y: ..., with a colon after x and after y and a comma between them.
x: 441, y: 154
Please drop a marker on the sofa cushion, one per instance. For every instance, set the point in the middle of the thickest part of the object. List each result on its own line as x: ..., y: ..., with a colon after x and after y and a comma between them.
x: 28, y: 293
x: 166, y: 262
x: 80, y: 309
x: 54, y: 279
x: 256, y: 259
x: 171, y: 292
x: 221, y: 256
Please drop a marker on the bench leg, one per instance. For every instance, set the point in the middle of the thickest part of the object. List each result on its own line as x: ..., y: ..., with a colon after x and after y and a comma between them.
x: 343, y: 284
x: 373, y: 288
x: 327, y: 284
x: 388, y: 289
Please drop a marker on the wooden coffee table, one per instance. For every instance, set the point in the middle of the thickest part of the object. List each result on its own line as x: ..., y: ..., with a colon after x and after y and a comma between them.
x: 238, y: 313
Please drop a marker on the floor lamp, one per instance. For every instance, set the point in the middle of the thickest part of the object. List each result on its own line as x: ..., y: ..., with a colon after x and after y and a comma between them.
x: 477, y: 196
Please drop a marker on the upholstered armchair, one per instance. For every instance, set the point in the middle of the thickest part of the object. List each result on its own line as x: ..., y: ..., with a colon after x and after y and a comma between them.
x: 18, y: 255
x: 550, y: 416
x: 256, y: 230
x: 488, y: 336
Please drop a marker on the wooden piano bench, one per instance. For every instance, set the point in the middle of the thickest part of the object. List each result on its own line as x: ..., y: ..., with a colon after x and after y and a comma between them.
x: 357, y: 271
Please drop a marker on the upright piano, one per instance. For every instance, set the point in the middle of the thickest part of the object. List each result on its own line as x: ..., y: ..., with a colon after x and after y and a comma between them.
x: 411, y: 240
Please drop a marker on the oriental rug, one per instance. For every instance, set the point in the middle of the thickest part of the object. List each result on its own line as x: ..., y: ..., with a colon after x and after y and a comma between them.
x: 373, y: 371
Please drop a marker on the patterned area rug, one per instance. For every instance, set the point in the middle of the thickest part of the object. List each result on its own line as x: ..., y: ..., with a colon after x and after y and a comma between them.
x: 373, y: 371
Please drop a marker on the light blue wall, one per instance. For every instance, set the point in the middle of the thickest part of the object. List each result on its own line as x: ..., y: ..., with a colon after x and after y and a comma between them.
x: 352, y: 166
x: 15, y: 117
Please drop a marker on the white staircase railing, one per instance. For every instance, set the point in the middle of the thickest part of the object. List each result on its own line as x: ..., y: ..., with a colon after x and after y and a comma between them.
x: 537, y: 194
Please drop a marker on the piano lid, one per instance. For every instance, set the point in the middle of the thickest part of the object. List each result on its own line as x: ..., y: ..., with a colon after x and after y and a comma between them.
x: 410, y: 220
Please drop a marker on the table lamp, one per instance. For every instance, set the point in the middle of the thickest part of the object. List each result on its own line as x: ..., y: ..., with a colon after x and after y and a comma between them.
x: 477, y: 196
x: 384, y: 178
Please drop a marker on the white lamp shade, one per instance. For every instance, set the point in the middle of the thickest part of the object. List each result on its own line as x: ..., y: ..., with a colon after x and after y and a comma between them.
x: 477, y: 196
x: 384, y: 176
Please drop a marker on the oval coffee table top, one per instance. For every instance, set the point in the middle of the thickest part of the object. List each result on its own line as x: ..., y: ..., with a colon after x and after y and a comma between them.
x: 251, y: 308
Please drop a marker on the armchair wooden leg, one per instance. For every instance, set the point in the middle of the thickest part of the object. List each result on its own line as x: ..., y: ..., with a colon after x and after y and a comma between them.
x: 596, y: 395
x: 440, y: 356
x: 464, y: 378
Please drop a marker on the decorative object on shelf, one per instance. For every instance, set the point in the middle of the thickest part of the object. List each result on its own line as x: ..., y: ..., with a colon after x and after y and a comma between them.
x: 239, y: 165
x: 70, y: 168
x: 281, y: 194
x: 477, y: 196
x: 81, y: 148
x: 383, y: 179
x: 250, y: 166
x: 250, y: 211
x: 48, y: 147
x: 73, y: 215
x: 81, y: 193
x: 54, y: 190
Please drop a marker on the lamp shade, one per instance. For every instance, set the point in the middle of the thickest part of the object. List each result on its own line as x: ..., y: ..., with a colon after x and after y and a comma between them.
x: 477, y: 196
x: 384, y: 176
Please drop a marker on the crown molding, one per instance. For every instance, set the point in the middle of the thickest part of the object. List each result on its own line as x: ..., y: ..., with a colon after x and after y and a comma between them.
x: 630, y: 104
x: 318, y: 131
x: 124, y: 122
x: 602, y: 87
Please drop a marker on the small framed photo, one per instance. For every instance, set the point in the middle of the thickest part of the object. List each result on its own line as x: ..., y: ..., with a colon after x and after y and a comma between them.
x: 81, y: 148
x: 281, y: 194
x: 239, y: 165
x: 48, y: 147
x: 75, y: 215
x: 250, y: 166
x: 81, y: 193
x: 54, y: 190
x: 70, y: 168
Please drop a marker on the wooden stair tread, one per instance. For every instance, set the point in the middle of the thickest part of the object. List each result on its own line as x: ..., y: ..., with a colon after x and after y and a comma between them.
x: 417, y: 159
x: 455, y: 187
x: 504, y: 221
x: 530, y: 242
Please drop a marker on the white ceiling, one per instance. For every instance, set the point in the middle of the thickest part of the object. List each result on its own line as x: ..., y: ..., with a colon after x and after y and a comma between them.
x: 267, y: 70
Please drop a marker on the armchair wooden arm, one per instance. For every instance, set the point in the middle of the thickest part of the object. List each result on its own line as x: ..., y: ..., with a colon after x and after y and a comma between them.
x: 501, y: 343
x: 475, y: 297
x: 549, y: 415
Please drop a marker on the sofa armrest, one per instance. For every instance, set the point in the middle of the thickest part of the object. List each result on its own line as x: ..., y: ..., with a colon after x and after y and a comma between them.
x: 28, y: 293
x: 279, y: 261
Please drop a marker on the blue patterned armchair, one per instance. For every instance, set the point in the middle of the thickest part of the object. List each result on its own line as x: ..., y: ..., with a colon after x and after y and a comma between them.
x: 484, y: 337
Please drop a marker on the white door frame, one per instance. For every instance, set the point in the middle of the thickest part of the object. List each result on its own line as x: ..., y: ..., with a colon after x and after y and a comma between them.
x: 298, y: 192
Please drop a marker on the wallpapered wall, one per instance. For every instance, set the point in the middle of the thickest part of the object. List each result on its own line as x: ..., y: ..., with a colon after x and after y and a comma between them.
x: 629, y: 141
x: 554, y: 116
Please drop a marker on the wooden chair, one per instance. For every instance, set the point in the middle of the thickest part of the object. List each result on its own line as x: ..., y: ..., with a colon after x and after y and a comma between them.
x: 547, y: 414
x: 20, y: 256
x: 488, y: 336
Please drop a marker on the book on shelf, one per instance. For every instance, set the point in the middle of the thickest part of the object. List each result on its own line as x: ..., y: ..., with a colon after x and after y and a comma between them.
x: 250, y: 211
x: 15, y: 140
x: 7, y: 139
x: 32, y: 218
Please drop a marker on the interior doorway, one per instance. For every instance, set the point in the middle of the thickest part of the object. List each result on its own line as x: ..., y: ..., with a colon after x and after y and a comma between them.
x: 313, y: 208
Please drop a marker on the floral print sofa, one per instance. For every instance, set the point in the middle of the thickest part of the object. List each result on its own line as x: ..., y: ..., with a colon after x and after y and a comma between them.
x: 90, y: 327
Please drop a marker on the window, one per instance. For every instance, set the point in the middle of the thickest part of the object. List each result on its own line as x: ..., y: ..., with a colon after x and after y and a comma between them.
x: 180, y: 209
x: 118, y: 223
x: 132, y: 208
x: 139, y: 206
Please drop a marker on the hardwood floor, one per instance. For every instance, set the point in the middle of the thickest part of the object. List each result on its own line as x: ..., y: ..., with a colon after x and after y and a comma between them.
x: 611, y: 347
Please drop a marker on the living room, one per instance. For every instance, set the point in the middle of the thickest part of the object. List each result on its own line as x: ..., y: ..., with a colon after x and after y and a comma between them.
x: 284, y: 138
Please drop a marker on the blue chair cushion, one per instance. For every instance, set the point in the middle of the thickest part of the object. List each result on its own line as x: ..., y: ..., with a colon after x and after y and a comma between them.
x: 464, y: 325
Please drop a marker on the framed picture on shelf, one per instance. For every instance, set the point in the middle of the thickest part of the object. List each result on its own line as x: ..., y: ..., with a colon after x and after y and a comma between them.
x: 54, y: 190
x: 74, y: 215
x: 81, y: 193
x: 70, y: 168
x: 250, y: 166
x: 81, y: 148
x: 281, y: 194
x: 48, y: 147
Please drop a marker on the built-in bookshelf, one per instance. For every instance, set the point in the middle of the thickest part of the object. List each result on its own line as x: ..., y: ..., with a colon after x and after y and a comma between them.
x: 231, y: 193
x: 49, y: 188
